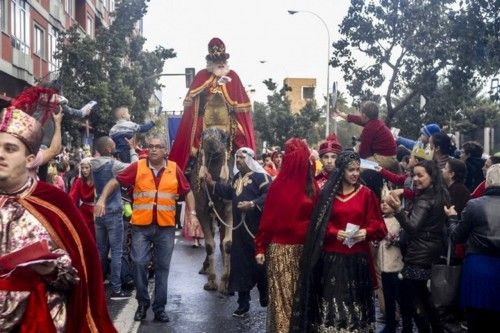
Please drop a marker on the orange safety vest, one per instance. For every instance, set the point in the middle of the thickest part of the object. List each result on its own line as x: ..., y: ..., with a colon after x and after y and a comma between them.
x: 147, y: 196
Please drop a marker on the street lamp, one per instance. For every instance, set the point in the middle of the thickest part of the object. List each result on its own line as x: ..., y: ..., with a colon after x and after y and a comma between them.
x: 293, y: 12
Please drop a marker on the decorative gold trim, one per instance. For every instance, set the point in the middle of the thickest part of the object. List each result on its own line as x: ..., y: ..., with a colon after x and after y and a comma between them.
x: 233, y: 103
x: 350, y: 196
x: 194, y: 92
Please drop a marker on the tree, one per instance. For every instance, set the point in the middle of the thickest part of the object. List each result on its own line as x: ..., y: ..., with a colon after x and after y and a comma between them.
x: 275, y: 123
x: 418, y: 43
x: 112, y: 69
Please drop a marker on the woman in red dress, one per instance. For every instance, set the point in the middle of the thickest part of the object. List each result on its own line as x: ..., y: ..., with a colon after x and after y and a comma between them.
x: 335, y: 289
x: 82, y: 193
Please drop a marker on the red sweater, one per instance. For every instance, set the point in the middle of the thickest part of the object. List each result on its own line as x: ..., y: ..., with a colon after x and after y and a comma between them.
x: 361, y: 208
x: 284, y: 232
x: 398, y: 180
x: 376, y: 138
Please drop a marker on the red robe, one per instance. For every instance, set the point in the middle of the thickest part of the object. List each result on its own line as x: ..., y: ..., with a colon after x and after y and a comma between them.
x: 187, y: 140
x: 82, y: 195
x: 86, y: 305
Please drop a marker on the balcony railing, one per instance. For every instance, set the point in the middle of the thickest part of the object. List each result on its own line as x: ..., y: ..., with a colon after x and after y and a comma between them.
x: 22, y: 60
x: 57, y: 10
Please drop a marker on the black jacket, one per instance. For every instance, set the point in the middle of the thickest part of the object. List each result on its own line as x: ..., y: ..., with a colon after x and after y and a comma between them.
x: 474, y: 174
x: 479, y: 227
x: 424, y: 227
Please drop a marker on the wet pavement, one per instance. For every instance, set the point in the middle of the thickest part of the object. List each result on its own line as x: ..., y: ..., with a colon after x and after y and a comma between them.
x: 191, y: 309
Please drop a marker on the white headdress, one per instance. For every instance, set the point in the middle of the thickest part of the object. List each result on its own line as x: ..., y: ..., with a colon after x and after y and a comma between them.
x: 250, y: 161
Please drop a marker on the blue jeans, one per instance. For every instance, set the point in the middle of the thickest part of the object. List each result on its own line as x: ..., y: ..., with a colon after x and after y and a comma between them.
x: 109, y: 236
x: 162, y: 239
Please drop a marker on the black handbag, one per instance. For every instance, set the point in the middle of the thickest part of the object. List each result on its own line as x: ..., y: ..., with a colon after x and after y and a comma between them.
x: 445, y: 282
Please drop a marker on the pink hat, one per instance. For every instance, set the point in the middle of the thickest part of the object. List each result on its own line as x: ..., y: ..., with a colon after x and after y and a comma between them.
x: 22, y: 126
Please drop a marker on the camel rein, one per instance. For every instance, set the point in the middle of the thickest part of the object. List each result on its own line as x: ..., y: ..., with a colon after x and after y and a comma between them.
x: 243, y: 214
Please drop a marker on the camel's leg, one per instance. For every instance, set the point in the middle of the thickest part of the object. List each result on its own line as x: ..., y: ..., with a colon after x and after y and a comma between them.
x: 210, y: 249
x: 226, y: 249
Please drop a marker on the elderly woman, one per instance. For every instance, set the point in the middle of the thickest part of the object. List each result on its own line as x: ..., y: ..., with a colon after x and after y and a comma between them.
x: 424, y: 228
x: 335, y: 288
x: 282, y: 231
x: 479, y: 229
x: 82, y: 193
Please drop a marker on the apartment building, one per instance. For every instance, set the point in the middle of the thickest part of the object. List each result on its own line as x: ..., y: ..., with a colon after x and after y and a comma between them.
x: 302, y: 91
x: 29, y: 32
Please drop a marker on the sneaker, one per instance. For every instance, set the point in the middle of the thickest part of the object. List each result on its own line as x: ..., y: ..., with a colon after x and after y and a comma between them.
x: 120, y: 295
x: 241, y: 312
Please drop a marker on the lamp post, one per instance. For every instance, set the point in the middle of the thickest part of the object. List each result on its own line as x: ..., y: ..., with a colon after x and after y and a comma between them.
x: 293, y: 12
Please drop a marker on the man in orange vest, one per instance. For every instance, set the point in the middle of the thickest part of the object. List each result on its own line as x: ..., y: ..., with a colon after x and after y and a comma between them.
x: 158, y: 183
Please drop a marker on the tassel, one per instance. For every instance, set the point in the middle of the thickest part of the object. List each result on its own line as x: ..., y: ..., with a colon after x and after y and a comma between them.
x: 224, y: 170
x: 203, y: 168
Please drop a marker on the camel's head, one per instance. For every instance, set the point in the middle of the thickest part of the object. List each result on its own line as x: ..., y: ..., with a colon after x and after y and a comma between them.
x: 214, y: 140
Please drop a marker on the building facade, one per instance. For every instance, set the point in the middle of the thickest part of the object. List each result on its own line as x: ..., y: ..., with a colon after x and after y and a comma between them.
x: 29, y: 33
x: 302, y: 91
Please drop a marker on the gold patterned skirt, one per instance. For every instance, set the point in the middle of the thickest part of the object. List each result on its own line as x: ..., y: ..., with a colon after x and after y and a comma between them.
x: 282, y: 273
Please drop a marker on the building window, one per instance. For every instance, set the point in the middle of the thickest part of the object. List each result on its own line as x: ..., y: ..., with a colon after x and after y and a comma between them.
x: 3, y: 15
x: 39, y: 42
x: 20, y: 29
x: 52, y: 48
x: 69, y: 7
x: 307, y: 93
x: 90, y: 26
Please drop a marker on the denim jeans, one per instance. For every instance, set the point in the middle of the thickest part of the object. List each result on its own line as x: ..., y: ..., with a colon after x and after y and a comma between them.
x: 162, y: 239
x: 109, y: 236
x: 127, y: 265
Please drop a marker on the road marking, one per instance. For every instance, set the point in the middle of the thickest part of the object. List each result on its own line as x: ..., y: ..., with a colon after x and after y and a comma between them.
x: 124, y: 322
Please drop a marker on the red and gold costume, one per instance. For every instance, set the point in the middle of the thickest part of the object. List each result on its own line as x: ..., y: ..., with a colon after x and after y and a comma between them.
x: 210, y: 102
x: 70, y: 300
x: 71, y: 297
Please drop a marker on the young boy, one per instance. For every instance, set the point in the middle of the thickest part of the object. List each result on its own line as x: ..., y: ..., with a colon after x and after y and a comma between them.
x: 124, y: 130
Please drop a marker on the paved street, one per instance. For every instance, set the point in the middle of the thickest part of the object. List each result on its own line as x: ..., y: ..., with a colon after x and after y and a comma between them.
x: 190, y: 308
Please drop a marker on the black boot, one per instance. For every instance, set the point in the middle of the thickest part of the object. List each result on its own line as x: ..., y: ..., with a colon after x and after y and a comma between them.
x: 140, y: 314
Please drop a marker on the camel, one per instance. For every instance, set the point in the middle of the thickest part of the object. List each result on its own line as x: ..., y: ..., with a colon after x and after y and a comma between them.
x: 213, y: 155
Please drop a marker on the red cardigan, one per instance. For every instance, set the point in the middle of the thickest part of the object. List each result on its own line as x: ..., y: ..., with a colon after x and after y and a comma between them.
x: 376, y: 137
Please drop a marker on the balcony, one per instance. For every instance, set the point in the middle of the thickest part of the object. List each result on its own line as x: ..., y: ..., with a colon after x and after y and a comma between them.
x: 22, y: 60
x: 57, y: 10
x: 99, y: 5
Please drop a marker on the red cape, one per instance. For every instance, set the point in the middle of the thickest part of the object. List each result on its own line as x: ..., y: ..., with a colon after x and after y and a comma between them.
x: 187, y: 140
x: 87, y: 309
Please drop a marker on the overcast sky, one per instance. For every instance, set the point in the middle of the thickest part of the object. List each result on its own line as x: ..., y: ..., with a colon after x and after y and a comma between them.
x: 253, y: 31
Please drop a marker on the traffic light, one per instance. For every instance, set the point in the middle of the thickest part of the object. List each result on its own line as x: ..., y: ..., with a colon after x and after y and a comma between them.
x: 189, y: 72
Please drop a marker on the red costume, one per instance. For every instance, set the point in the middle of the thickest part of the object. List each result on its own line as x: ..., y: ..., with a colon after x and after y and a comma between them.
x: 82, y: 195
x: 187, y: 140
x: 330, y: 145
x: 86, y: 305
x: 288, y: 208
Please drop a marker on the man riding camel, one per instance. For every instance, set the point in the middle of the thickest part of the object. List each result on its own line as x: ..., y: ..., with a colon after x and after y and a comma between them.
x: 216, y: 98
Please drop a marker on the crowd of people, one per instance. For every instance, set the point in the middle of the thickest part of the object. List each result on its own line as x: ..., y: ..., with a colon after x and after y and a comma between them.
x: 325, y: 234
